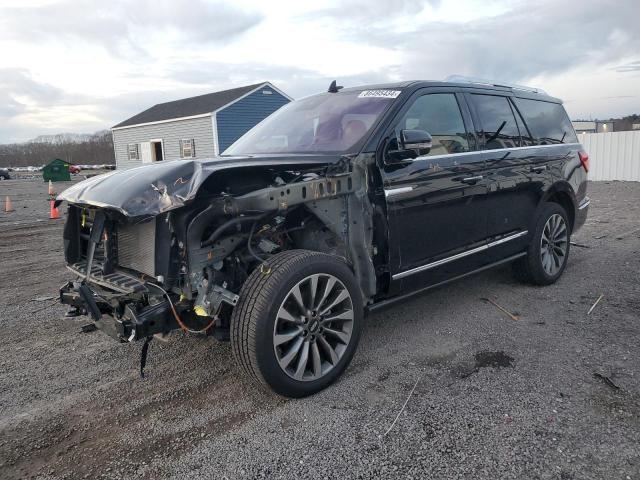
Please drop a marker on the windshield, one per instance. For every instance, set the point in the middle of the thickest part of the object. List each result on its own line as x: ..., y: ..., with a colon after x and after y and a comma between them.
x: 327, y: 123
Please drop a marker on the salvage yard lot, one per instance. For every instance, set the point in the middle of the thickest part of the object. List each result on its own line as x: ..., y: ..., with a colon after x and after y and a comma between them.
x: 554, y: 394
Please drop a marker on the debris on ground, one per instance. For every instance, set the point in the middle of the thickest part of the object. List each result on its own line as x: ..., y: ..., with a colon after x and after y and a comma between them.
x: 581, y: 245
x: 43, y: 299
x: 606, y: 380
x: 512, y: 316
x: 594, y: 305
x: 402, y: 409
x: 45, y: 307
x: 88, y: 328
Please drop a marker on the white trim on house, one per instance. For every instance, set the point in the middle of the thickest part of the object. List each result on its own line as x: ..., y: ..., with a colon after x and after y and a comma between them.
x: 115, y: 152
x: 253, y: 91
x: 279, y: 91
x: 156, y: 140
x: 202, y: 115
x: 214, y: 126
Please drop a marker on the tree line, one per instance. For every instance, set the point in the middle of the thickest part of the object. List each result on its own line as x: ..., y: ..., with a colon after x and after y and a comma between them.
x: 96, y: 150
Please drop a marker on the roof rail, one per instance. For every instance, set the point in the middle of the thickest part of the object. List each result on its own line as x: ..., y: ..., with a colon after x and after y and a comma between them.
x: 482, y: 81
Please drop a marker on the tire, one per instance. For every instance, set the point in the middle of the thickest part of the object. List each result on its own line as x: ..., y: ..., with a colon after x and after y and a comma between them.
x: 542, y: 268
x: 268, y: 322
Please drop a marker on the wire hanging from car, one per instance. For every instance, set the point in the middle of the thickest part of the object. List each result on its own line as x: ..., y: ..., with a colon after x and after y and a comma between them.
x: 182, y: 325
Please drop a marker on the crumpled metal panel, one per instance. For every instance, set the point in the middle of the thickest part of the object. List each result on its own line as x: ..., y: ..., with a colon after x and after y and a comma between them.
x: 159, y: 187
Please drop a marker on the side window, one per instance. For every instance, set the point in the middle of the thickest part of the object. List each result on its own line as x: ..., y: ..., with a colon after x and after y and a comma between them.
x: 547, y: 121
x: 525, y: 136
x: 133, y: 151
x: 439, y: 114
x: 499, y: 127
x: 187, y: 148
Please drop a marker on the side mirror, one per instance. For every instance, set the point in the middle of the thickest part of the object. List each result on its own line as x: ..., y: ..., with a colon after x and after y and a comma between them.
x: 418, y: 140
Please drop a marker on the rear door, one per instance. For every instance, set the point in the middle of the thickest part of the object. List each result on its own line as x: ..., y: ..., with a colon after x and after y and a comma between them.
x: 436, y: 202
x: 512, y: 196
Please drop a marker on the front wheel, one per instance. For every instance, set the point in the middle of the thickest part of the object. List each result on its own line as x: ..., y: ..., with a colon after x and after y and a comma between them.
x: 548, y: 251
x: 297, y: 322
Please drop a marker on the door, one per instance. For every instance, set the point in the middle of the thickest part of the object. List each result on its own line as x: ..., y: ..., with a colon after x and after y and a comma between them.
x: 512, y: 196
x: 435, y: 201
x: 145, y: 152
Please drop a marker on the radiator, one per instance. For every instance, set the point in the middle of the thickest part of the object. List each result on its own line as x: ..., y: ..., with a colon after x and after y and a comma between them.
x: 137, y: 247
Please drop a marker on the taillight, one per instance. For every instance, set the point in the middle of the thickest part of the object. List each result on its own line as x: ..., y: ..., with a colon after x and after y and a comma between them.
x: 584, y: 160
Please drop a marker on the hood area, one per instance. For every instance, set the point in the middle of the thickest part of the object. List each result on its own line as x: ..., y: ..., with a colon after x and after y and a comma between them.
x: 152, y: 189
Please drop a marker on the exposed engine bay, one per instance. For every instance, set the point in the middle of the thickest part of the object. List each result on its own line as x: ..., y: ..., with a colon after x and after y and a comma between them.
x: 176, y: 254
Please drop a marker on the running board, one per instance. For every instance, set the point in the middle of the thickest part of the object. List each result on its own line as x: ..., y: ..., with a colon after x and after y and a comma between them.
x: 383, y: 304
x: 458, y: 256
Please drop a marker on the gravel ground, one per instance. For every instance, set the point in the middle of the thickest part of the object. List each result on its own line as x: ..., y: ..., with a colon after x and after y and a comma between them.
x: 492, y: 397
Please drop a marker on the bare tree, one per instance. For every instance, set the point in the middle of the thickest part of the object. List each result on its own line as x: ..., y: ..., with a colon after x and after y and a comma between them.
x: 96, y: 150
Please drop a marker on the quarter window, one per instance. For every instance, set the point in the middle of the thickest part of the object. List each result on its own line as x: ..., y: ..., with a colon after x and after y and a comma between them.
x: 133, y: 151
x: 547, y: 121
x: 499, y: 127
x: 439, y: 114
x: 187, y: 148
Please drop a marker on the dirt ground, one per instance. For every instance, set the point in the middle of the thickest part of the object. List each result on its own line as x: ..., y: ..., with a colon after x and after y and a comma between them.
x: 554, y: 394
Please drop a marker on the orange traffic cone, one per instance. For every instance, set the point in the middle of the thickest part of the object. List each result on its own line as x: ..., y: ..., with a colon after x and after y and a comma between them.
x: 54, y: 214
x: 8, y: 206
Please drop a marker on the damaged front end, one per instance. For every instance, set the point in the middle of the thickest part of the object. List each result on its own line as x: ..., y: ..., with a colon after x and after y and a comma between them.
x: 169, y: 247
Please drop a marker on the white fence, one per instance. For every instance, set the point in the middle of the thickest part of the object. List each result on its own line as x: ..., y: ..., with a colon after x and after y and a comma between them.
x: 613, y: 155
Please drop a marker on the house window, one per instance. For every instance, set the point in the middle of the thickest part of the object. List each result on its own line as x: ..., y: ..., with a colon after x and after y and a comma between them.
x: 187, y: 148
x: 133, y: 151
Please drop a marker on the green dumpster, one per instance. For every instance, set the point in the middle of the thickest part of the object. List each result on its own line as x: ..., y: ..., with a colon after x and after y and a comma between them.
x: 57, y: 171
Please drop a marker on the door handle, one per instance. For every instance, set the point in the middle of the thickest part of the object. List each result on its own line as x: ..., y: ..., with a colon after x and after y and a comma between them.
x: 538, y: 169
x: 472, y: 180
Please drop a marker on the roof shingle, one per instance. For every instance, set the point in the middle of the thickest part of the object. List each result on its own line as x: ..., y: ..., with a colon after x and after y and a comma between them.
x: 188, y: 107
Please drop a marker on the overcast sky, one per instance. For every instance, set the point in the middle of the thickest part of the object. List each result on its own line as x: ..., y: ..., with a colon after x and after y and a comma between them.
x: 82, y: 66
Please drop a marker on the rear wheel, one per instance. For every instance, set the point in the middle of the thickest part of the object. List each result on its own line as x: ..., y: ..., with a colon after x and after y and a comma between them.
x: 297, y: 322
x: 548, y: 251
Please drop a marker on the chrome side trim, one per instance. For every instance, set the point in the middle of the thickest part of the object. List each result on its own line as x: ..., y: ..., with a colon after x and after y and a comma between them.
x: 458, y: 256
x: 396, y: 191
x: 507, y: 239
x: 477, y: 152
x: 585, y: 203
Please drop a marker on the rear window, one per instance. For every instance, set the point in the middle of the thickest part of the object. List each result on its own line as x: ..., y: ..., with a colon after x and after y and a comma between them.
x: 499, y: 127
x: 547, y: 122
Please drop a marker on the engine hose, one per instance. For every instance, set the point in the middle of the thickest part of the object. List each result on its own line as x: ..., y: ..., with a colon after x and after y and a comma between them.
x: 230, y: 223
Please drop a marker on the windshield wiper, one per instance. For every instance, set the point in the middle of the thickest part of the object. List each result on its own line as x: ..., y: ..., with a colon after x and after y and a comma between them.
x: 495, y: 135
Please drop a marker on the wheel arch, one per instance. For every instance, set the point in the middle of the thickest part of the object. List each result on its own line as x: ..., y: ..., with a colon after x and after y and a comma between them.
x: 562, y: 194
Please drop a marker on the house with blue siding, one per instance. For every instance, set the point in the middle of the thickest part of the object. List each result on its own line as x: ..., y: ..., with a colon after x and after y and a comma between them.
x: 195, y: 127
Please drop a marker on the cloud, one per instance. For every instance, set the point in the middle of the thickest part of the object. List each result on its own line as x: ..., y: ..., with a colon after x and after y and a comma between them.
x: 354, y: 11
x: 527, y: 40
x: 124, y: 56
x: 19, y: 91
x: 629, y: 67
x: 122, y: 27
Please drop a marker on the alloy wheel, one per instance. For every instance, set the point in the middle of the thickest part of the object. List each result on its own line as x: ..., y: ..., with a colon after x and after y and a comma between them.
x: 313, y: 327
x: 553, y: 244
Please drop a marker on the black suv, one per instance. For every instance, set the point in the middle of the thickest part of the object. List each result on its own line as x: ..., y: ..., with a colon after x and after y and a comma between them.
x: 336, y: 205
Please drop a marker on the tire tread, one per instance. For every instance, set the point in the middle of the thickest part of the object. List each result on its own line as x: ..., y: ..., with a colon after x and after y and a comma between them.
x: 255, y: 299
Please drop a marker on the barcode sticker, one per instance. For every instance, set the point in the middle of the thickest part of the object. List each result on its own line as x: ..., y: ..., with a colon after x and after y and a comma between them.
x: 379, y: 94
